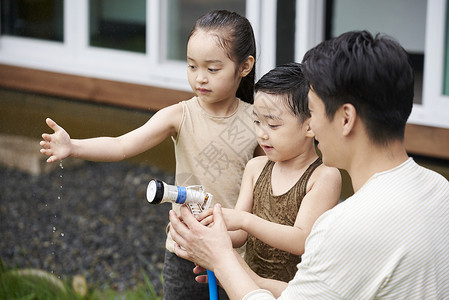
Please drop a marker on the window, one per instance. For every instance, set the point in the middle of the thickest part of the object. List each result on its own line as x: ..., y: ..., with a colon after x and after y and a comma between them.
x: 38, y: 19
x: 422, y: 27
x: 139, y: 41
x: 285, y: 31
x: 181, y: 16
x: 384, y: 16
x: 434, y: 109
x: 446, y: 60
x: 118, y: 24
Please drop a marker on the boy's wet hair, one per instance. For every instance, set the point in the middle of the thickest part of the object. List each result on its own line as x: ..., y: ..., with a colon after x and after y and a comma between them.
x: 372, y: 73
x: 235, y: 34
x: 287, y: 80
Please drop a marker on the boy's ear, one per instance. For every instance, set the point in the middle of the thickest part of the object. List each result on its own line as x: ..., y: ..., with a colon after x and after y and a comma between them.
x: 247, y: 66
x: 309, y: 132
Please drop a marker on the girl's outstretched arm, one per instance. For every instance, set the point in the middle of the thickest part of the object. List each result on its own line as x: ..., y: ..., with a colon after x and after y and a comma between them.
x: 163, y: 124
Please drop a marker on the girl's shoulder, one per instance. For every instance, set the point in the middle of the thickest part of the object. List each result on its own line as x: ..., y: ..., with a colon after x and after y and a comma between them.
x: 174, y: 110
x: 170, y: 116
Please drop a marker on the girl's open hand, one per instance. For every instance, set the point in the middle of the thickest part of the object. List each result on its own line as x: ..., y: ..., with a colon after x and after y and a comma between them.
x: 57, y: 145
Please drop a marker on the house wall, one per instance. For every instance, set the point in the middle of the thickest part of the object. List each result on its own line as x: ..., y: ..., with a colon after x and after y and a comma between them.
x: 84, y: 119
x: 421, y: 140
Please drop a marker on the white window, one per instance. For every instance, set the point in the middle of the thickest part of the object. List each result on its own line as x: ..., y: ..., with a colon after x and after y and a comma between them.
x: 434, y: 109
x: 144, y: 41
x: 139, y: 41
x: 421, y: 26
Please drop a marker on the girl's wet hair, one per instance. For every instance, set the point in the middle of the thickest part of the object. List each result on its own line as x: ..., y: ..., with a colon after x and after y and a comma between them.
x: 235, y: 34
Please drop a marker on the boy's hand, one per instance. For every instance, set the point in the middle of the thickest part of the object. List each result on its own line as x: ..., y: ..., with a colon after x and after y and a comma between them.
x: 206, y: 217
x: 57, y: 145
x: 233, y: 218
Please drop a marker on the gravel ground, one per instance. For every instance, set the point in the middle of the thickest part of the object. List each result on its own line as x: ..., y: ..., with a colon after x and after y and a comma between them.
x: 91, y: 220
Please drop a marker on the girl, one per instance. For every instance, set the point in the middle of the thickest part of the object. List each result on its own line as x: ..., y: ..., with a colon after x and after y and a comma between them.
x: 284, y: 192
x: 212, y: 132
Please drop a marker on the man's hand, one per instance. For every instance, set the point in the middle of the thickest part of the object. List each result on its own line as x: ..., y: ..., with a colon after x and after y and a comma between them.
x: 206, y: 246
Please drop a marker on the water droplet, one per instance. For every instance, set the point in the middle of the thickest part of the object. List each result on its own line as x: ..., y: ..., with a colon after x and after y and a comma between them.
x: 59, y: 197
x: 54, y: 228
x: 62, y: 233
x: 60, y: 164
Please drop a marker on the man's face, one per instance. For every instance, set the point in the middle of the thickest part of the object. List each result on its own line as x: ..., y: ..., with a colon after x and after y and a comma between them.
x: 325, y: 130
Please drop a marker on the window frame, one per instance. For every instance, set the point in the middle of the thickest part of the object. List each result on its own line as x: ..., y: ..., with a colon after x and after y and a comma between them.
x: 75, y: 56
x: 434, y: 110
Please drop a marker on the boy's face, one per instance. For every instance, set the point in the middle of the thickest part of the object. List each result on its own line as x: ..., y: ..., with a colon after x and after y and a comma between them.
x: 325, y: 131
x: 279, y: 132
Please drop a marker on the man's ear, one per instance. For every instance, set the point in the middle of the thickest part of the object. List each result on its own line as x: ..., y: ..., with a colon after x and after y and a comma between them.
x: 348, y: 118
x: 247, y: 66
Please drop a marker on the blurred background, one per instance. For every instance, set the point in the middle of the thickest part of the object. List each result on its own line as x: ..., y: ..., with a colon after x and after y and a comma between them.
x: 103, y: 67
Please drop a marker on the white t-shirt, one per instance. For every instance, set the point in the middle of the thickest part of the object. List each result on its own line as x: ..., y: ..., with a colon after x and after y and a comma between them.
x: 390, y: 240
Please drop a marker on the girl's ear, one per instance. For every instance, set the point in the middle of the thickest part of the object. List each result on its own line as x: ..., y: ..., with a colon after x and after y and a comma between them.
x: 247, y: 66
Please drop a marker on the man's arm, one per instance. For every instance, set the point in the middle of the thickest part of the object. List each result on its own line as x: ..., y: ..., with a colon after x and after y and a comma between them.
x: 211, y: 248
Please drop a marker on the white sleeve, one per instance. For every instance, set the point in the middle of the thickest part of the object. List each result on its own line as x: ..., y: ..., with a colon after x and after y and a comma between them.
x: 259, y: 294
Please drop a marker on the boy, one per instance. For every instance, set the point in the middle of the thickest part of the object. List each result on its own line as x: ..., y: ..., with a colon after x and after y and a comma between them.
x: 285, y: 191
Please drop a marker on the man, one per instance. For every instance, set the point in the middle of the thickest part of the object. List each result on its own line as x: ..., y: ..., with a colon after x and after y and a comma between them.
x: 387, y: 241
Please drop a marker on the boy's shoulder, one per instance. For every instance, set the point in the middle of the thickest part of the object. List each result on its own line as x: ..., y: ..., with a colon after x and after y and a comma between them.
x: 257, y: 161
x: 256, y: 165
x: 325, y: 173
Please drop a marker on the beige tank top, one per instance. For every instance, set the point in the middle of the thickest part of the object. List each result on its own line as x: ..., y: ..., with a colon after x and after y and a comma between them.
x: 213, y: 151
x: 263, y: 259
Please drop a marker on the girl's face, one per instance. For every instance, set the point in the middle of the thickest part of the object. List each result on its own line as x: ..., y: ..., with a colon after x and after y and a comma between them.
x: 279, y: 132
x: 212, y: 75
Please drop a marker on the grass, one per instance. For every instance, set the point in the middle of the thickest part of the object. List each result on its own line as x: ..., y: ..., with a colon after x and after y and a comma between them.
x: 31, y: 284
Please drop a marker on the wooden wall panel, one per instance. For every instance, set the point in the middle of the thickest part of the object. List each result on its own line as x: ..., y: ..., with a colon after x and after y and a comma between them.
x: 421, y: 140
x: 90, y: 89
x: 427, y: 141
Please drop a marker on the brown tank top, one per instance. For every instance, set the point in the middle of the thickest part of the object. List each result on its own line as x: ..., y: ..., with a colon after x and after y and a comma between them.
x: 263, y: 259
